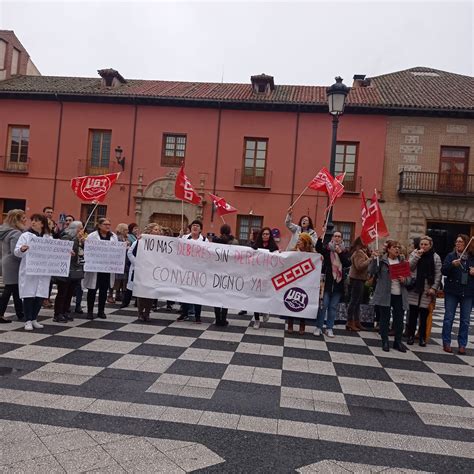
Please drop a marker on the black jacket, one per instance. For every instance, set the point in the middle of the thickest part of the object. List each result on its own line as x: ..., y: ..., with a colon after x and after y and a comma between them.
x: 456, y: 275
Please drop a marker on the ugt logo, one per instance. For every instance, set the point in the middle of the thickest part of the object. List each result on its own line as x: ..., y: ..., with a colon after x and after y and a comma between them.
x: 295, y: 299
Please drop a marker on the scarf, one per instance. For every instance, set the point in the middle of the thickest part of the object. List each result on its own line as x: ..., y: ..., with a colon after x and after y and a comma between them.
x: 425, y: 270
x: 336, y: 264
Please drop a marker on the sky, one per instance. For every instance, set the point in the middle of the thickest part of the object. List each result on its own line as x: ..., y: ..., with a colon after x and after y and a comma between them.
x: 297, y: 42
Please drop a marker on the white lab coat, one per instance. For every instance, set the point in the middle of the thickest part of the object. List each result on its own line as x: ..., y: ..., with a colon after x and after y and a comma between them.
x: 90, y: 278
x: 132, y: 259
x: 30, y: 286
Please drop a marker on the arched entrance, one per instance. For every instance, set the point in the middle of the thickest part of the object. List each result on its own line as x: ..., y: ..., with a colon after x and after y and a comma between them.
x: 157, y: 203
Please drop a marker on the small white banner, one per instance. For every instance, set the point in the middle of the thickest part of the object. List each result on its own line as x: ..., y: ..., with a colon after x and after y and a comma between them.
x: 228, y: 276
x: 48, y: 257
x: 104, y: 256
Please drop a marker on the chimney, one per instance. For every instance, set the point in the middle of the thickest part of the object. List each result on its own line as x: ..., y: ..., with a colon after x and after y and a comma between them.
x: 262, y: 84
x: 111, y: 78
x: 360, y: 81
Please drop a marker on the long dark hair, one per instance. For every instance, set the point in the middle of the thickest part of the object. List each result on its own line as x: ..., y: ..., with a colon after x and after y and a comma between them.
x: 357, y: 245
x: 310, y: 225
x: 272, y: 245
x: 44, y: 220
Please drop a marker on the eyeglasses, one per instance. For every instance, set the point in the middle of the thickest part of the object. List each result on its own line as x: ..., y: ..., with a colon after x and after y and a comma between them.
x: 266, y: 233
x: 459, y: 241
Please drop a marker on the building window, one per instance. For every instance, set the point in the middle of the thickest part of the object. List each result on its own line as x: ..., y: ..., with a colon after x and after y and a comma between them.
x: 86, y: 209
x: 346, y: 161
x: 245, y: 227
x: 15, y: 61
x: 99, y: 151
x: 453, y: 166
x: 3, y: 53
x: 174, y: 149
x: 17, y: 153
x: 7, y: 205
x: 347, y: 231
x: 255, y: 159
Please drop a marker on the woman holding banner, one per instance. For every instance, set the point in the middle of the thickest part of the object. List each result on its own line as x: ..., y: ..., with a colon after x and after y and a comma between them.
x: 305, y: 224
x: 67, y: 286
x: 390, y: 295
x: 33, y: 289
x: 99, y: 281
x: 10, y: 232
x: 265, y: 241
x: 458, y: 290
x: 425, y: 266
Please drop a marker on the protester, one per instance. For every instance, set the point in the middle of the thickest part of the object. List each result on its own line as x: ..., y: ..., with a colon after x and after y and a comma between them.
x: 389, y: 294
x: 121, y: 231
x: 265, y: 241
x: 144, y: 304
x: 67, y: 221
x: 425, y: 266
x: 303, y: 244
x: 67, y: 285
x: 358, y: 276
x: 99, y: 281
x: 336, y: 258
x: 186, y: 308
x: 225, y: 238
x: 305, y: 224
x: 33, y: 289
x: 458, y: 267
x: 15, y: 224
x: 133, y: 232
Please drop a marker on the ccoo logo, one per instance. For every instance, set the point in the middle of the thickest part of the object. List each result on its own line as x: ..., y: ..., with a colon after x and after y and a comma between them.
x: 295, y: 299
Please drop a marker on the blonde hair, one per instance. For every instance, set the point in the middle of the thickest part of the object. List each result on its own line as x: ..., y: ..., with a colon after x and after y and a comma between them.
x: 428, y: 238
x: 308, y: 245
x: 152, y: 225
x: 122, y: 229
x: 14, y: 218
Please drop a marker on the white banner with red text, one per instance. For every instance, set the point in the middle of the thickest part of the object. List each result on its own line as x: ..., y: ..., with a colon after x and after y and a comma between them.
x: 228, y: 276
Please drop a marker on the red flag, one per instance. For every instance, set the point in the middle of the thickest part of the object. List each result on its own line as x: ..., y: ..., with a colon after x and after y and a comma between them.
x: 372, y: 220
x: 93, y: 188
x: 323, y: 181
x: 222, y: 206
x: 184, y: 190
x: 338, y: 189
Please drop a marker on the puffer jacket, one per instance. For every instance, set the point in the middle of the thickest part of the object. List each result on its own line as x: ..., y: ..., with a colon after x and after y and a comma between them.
x: 10, y: 263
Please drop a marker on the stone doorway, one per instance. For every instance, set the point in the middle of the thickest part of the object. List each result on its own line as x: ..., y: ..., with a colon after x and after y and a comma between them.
x: 170, y: 221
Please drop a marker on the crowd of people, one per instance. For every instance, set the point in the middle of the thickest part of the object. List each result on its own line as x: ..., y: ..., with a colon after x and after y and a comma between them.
x: 402, y: 304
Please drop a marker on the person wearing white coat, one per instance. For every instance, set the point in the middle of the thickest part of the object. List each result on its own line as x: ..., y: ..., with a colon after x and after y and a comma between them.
x: 33, y: 289
x: 99, y: 281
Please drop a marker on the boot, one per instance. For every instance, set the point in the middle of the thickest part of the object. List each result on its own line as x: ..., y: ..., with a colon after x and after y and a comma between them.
x: 359, y: 326
x: 351, y: 326
x: 422, y: 342
x: 302, y: 327
x: 290, y: 327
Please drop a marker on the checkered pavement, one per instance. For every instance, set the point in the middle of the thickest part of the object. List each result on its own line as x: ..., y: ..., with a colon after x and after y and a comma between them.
x: 238, y: 368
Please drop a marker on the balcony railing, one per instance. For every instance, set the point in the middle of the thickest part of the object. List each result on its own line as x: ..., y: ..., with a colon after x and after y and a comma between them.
x: 249, y: 179
x: 13, y: 164
x: 421, y: 182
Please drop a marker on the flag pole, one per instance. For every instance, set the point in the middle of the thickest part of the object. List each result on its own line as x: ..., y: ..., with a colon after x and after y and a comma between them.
x: 466, y: 247
x: 222, y: 217
x: 182, y: 216
x: 90, y: 215
x: 297, y: 199
x: 328, y: 211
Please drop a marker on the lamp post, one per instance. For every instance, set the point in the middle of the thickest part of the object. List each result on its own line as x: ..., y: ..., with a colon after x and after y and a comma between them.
x: 336, y: 95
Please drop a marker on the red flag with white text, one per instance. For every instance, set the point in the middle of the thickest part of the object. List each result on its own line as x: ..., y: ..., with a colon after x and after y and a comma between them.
x: 323, y: 181
x: 222, y: 206
x: 93, y: 188
x: 184, y: 190
x: 373, y: 222
x: 381, y: 226
x: 338, y: 189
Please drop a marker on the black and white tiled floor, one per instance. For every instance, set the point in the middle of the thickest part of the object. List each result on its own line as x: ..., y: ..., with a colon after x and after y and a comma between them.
x: 231, y: 400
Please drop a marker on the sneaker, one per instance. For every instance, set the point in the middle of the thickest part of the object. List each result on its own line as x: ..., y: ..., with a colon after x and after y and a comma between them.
x: 317, y: 331
x: 28, y: 326
x: 266, y: 317
x: 36, y: 324
x: 256, y: 324
x: 329, y: 333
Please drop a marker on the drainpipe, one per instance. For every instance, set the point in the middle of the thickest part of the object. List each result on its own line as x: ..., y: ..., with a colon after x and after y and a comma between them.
x: 132, y: 160
x: 217, y: 157
x: 295, y: 155
x: 56, y: 166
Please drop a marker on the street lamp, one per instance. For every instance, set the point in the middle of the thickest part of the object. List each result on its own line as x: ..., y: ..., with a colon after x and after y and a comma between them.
x: 119, y: 158
x: 336, y: 95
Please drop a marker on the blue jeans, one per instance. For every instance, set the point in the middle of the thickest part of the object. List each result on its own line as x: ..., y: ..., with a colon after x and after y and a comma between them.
x: 450, y: 304
x: 329, y: 306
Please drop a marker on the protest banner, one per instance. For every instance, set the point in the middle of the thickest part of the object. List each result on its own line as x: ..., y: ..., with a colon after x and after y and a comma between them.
x: 228, y: 276
x: 104, y: 256
x: 48, y: 257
